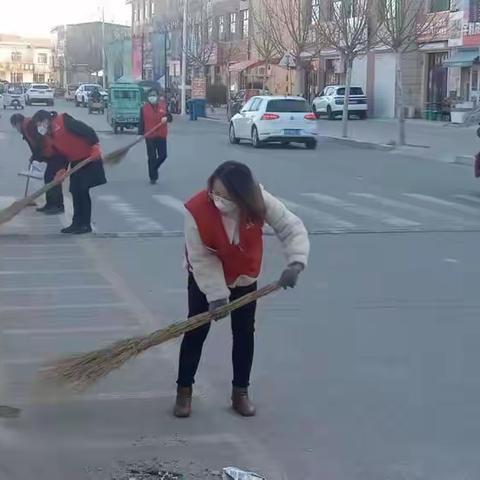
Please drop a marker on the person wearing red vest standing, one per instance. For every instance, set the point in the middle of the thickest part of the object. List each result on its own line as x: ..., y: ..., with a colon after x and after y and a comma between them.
x: 74, y: 141
x: 42, y: 152
x: 154, y: 112
x: 224, y: 253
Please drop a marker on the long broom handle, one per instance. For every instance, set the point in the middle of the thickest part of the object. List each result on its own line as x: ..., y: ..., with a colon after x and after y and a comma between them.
x: 179, y: 328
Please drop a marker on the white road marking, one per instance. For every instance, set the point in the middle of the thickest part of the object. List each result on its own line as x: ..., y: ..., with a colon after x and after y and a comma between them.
x: 44, y: 257
x: 324, y: 218
x: 53, y: 289
x: 45, y: 272
x: 66, y: 306
x: 450, y: 260
x: 39, y: 245
x: 424, y: 212
x: 362, y: 211
x: 444, y: 203
x: 170, y: 202
x: 132, y: 216
x: 468, y: 198
x: 68, y: 331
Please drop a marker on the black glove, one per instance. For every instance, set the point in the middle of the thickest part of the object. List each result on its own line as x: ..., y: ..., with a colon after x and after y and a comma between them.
x: 289, y: 277
x: 212, y: 306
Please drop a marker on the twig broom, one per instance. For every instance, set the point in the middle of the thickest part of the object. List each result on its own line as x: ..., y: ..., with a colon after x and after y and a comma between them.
x: 81, y: 371
x: 111, y: 158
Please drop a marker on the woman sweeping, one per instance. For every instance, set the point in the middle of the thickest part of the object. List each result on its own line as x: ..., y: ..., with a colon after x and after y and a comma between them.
x: 74, y: 141
x: 224, y: 250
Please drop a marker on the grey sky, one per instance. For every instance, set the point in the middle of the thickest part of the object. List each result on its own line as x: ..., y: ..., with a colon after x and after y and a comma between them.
x: 39, y: 17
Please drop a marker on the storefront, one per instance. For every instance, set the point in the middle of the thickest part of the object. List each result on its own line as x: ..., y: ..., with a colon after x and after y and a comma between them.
x: 463, y: 67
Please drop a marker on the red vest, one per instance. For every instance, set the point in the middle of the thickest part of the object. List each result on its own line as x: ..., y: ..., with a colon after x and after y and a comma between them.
x: 72, y: 147
x: 152, y: 116
x: 237, y: 260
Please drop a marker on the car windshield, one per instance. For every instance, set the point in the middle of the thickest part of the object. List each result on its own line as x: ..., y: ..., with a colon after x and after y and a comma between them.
x: 353, y: 91
x: 287, y: 105
x: 15, y: 89
x: 125, y: 95
x: 90, y: 88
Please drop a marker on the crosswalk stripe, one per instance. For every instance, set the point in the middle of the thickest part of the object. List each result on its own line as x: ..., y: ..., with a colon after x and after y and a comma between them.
x: 362, y: 211
x: 131, y: 214
x: 322, y: 217
x: 424, y: 212
x: 171, y: 202
x: 444, y: 203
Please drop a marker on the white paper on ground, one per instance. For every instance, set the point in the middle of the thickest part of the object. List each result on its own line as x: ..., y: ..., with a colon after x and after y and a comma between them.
x: 233, y: 473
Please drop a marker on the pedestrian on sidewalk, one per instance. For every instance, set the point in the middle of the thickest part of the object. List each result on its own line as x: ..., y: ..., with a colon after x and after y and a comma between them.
x: 224, y: 253
x: 74, y: 141
x: 154, y: 112
x: 42, y: 152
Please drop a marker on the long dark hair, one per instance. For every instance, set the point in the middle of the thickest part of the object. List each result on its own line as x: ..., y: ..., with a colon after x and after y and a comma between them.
x: 42, y: 115
x: 242, y: 188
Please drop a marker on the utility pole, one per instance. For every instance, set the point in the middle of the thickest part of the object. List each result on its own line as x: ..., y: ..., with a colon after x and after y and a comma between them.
x: 104, y: 57
x: 184, y: 57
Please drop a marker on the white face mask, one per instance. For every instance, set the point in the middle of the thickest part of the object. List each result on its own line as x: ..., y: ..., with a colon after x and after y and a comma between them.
x: 42, y: 129
x: 224, y: 205
x: 153, y: 99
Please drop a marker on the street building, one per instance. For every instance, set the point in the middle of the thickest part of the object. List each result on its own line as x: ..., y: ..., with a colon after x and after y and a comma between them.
x: 25, y: 60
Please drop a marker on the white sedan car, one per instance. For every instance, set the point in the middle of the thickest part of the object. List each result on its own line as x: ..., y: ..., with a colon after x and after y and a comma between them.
x: 40, y: 93
x: 330, y: 102
x: 269, y: 119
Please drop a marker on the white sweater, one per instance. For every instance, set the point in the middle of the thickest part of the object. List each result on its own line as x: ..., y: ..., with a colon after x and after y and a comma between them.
x: 206, y: 266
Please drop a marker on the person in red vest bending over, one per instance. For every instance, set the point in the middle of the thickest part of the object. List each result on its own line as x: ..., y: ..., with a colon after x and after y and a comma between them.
x: 42, y: 152
x: 154, y: 112
x: 74, y: 141
x: 224, y: 252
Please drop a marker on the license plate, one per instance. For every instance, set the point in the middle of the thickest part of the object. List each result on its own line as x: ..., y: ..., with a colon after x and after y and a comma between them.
x: 291, y: 132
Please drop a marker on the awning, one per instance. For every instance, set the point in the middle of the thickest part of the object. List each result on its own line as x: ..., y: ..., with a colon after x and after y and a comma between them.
x: 241, y: 66
x: 462, y: 58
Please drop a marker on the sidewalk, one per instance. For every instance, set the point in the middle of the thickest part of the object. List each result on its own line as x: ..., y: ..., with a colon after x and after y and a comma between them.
x: 439, y: 141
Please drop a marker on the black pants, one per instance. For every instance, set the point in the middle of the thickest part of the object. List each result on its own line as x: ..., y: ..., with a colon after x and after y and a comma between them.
x: 243, y: 328
x: 54, y: 197
x: 157, y: 154
x: 82, y: 207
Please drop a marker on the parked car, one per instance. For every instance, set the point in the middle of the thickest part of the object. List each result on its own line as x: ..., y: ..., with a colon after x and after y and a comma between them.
x: 269, y: 119
x: 330, y: 102
x: 40, y: 93
x: 71, y: 91
x: 83, y: 92
x: 14, y: 96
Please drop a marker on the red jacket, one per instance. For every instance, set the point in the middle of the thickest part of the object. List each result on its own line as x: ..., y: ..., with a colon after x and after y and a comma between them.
x: 151, y: 116
x: 237, y: 260
x: 72, y: 147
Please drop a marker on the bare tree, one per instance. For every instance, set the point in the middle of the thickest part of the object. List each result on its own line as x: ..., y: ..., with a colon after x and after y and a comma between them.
x: 404, y: 23
x: 200, y: 47
x: 264, y: 44
x: 287, y: 24
x: 229, y: 52
x: 346, y: 26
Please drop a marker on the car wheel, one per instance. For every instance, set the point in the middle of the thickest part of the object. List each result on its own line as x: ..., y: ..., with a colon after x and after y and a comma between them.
x: 330, y: 114
x: 231, y: 135
x: 362, y: 115
x: 255, y: 140
x: 84, y: 103
x: 311, y: 144
x: 317, y: 115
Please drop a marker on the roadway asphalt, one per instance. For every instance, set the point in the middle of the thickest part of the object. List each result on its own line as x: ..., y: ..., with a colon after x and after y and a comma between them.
x: 367, y: 371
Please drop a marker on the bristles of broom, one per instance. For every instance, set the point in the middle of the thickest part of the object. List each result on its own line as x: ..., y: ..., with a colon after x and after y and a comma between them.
x: 112, y: 158
x: 78, y: 372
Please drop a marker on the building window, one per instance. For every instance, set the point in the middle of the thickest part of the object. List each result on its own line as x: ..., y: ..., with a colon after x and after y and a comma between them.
x: 245, y: 20
x: 210, y: 29
x: 39, y: 77
x: 233, y: 23
x: 42, y: 58
x: 221, y: 27
x: 474, y: 11
x: 16, y: 57
x: 342, y: 7
x: 315, y: 11
x: 439, y: 6
x: 16, y: 77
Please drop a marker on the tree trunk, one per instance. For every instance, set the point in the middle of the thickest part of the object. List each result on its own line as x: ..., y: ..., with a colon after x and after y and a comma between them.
x: 400, y: 100
x: 264, y: 79
x: 346, y: 99
x: 299, y: 80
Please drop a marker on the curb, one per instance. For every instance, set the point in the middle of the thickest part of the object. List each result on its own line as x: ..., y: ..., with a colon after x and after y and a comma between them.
x: 467, y: 160
x: 360, y: 144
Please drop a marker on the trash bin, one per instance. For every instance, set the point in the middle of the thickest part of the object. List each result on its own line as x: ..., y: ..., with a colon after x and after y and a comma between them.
x: 201, y: 104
